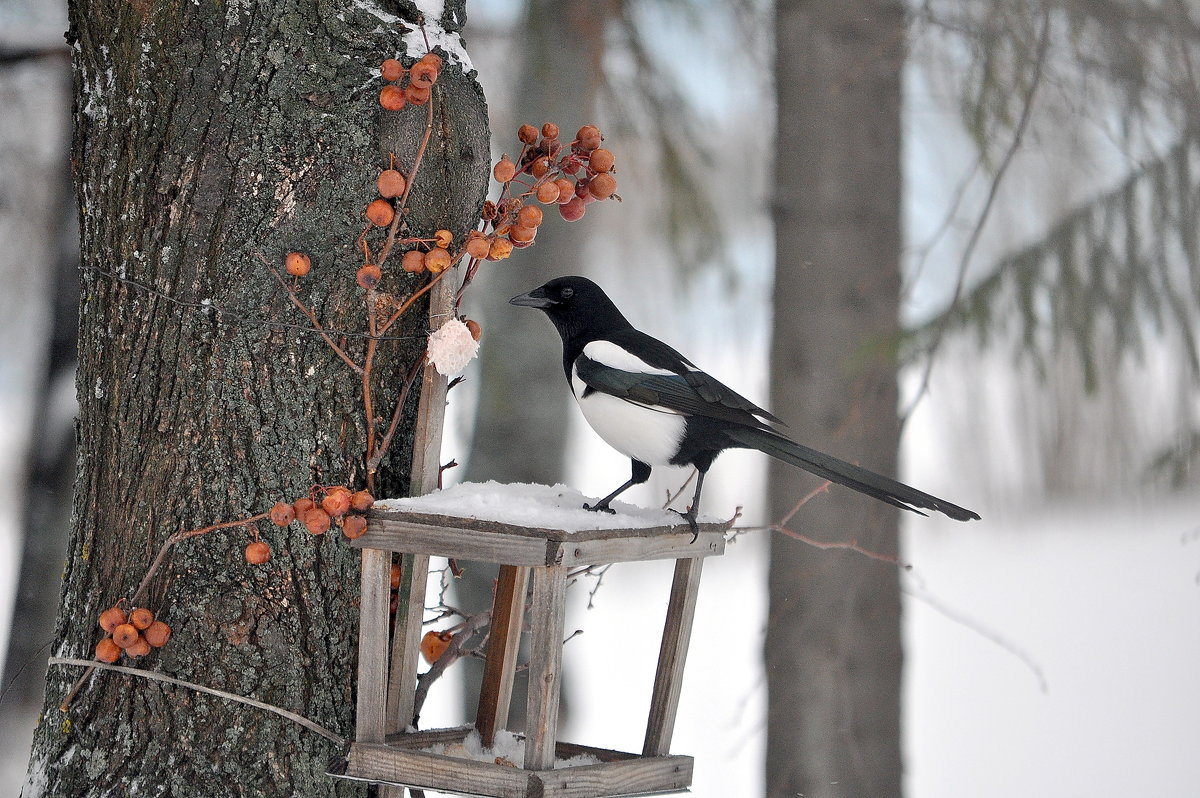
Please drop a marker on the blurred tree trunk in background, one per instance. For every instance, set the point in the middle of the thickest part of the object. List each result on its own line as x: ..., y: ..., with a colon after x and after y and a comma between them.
x: 523, y: 416
x: 832, y: 649
x: 206, y: 135
x: 38, y: 267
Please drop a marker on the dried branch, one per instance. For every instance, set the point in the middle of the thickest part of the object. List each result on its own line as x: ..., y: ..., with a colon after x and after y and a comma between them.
x: 92, y: 665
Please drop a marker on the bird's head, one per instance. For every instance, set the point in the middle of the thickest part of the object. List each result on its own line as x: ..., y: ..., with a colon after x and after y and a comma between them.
x: 576, y: 306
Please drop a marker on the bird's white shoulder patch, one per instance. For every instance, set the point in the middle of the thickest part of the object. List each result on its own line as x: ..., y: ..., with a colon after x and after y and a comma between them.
x: 613, y: 356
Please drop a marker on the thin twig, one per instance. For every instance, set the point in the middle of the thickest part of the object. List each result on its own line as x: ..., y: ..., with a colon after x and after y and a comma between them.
x: 312, y: 316
x: 92, y: 665
x: 409, y: 302
x: 181, y: 536
x: 847, y: 545
x: 377, y: 458
x: 671, y: 497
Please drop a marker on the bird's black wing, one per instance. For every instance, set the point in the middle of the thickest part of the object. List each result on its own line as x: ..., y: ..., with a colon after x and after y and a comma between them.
x: 692, y: 394
x: 710, y: 390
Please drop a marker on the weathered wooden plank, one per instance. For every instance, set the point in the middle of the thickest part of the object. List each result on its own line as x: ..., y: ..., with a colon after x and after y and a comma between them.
x: 668, y: 679
x: 372, y: 644
x: 466, y: 544
x: 666, y: 546
x: 547, y: 617
x: 431, y: 413
x: 630, y: 777
x: 378, y: 762
x: 406, y: 640
x: 504, y: 643
x: 545, y: 533
x: 429, y: 737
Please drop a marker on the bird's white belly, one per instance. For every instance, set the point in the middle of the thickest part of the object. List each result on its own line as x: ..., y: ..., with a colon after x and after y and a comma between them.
x: 636, y: 431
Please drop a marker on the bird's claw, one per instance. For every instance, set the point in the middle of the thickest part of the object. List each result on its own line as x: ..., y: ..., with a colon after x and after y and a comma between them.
x: 600, y: 508
x: 690, y: 517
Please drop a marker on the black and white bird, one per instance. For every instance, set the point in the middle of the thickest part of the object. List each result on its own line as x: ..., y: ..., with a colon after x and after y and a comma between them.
x: 654, y: 406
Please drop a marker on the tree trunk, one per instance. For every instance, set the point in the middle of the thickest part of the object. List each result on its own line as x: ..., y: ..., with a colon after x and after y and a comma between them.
x: 832, y: 651
x: 207, y: 134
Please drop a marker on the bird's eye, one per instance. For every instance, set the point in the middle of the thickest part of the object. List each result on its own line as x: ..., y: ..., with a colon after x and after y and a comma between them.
x: 567, y: 293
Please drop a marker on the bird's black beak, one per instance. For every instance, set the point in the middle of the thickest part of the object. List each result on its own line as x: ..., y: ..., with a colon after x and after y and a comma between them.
x: 534, y: 299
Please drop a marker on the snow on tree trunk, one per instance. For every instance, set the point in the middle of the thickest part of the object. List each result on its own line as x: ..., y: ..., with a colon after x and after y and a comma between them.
x: 207, y: 134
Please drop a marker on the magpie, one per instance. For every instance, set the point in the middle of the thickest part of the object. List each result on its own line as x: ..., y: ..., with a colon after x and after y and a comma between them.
x: 653, y: 405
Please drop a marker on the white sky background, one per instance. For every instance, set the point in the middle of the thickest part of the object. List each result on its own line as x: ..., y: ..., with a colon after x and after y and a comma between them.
x: 1095, y: 600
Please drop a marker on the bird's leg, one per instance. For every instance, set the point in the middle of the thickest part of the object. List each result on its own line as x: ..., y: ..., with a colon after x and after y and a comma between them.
x: 690, y: 515
x: 641, y: 473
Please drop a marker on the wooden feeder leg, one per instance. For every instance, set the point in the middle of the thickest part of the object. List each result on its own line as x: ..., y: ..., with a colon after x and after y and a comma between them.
x: 547, y: 617
x: 372, y: 645
x: 504, y: 641
x: 668, y: 679
x: 410, y: 611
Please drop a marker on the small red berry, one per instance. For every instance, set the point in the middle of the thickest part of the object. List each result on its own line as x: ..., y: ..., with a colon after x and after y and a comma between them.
x: 478, y: 245
x: 107, y: 650
x: 361, y: 500
x: 391, y: 69
x: 157, y: 634
x: 125, y: 635
x: 501, y: 248
x: 413, y: 261
x: 297, y: 264
x: 601, y: 160
x: 380, y: 212
x: 437, y: 260
x: 505, y: 170
x: 258, y: 553
x: 111, y: 618
x: 390, y: 183
x: 392, y: 97
x: 416, y: 95
x: 336, y: 501
x: 141, y: 618
x: 573, y: 211
x: 354, y: 526
x: 317, y: 521
x: 602, y: 186
x: 282, y: 514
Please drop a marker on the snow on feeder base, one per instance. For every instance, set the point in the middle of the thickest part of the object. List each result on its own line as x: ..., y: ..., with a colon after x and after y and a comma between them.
x: 529, y: 556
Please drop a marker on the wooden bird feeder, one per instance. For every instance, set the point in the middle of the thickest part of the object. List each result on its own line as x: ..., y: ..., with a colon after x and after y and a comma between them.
x: 385, y: 751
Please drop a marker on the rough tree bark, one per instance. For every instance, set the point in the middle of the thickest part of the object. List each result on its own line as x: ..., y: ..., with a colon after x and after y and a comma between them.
x: 832, y: 650
x: 205, y: 134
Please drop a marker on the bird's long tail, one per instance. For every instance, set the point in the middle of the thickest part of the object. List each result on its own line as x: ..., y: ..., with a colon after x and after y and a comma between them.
x: 848, y: 474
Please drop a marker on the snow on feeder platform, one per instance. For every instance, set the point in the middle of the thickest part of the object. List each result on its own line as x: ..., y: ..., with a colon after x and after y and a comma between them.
x: 536, y: 533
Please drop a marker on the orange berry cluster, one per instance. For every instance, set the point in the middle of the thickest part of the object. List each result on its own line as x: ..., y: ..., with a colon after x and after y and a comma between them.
x: 571, y: 177
x: 133, y: 633
x: 436, y: 260
x: 421, y: 77
x: 338, y: 506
